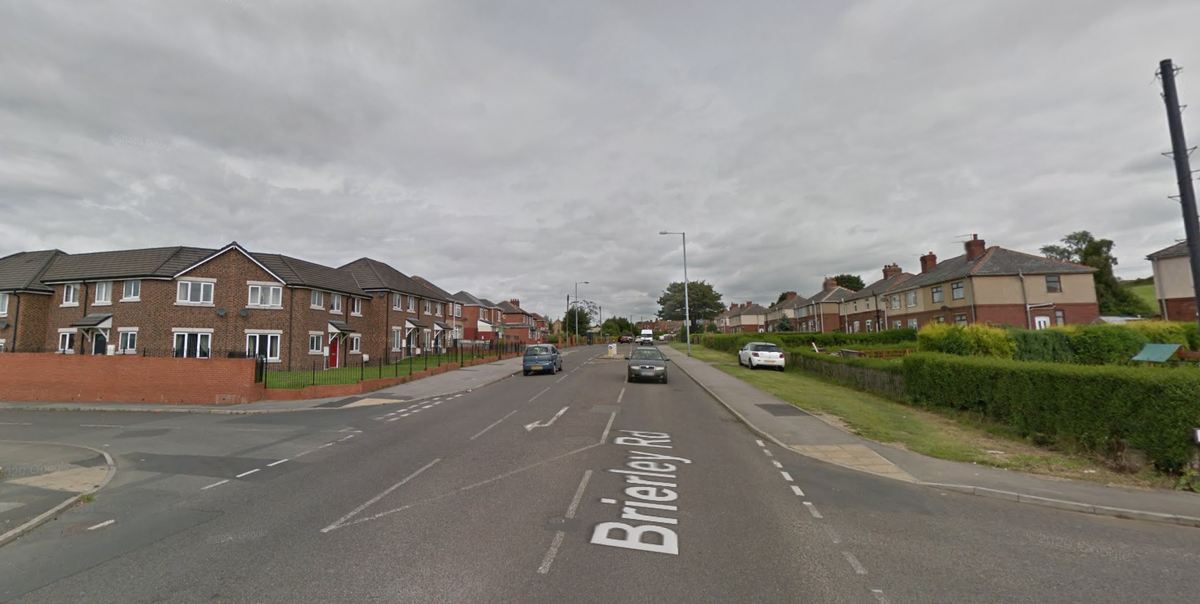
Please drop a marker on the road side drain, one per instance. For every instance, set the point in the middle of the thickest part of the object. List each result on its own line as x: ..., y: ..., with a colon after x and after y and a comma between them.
x: 782, y: 410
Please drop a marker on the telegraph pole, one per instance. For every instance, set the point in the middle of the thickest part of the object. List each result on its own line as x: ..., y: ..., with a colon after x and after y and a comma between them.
x: 1183, y: 172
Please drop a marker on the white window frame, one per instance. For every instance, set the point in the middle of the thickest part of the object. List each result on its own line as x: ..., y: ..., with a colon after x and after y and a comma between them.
x: 1060, y: 317
x: 103, y: 287
x: 274, y: 340
x: 438, y: 309
x: 960, y: 318
x: 458, y: 311
x: 958, y: 291
x: 897, y: 324
x: 274, y: 295
x: 124, y: 335
x: 201, y: 333
x: 136, y: 296
x: 71, y: 294
x: 911, y: 299
x: 896, y: 302
x: 335, y: 303
x: 356, y: 307
x: 3, y: 305
x: 317, y: 300
x: 205, y: 286
x: 412, y: 303
x: 397, y: 302
x: 912, y: 323
x: 2, y: 345
x: 66, y: 341
x: 355, y: 343
x: 397, y: 339
x: 428, y: 306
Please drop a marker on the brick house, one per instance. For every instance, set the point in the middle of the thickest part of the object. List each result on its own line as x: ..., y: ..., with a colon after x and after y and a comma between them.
x: 747, y: 318
x: 518, y: 323
x: 995, y: 285
x: 490, y: 311
x: 472, y: 311
x: 1173, y: 286
x: 446, y: 327
x: 867, y: 309
x: 821, y: 313
x: 196, y: 302
x: 24, y: 300
x: 404, y: 315
x: 788, y: 307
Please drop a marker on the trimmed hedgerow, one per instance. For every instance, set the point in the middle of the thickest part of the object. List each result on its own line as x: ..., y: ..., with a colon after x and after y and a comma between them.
x: 972, y: 340
x: 733, y: 341
x: 878, y: 376
x: 1094, y: 407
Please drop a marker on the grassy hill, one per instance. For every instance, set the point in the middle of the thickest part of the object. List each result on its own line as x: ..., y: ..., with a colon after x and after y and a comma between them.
x: 1146, y: 292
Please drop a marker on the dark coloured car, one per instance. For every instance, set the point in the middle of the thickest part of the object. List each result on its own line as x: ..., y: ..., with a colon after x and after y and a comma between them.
x: 625, y: 339
x: 542, y: 358
x: 647, y: 364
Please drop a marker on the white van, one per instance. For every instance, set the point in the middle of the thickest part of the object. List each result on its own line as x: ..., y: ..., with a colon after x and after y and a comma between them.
x: 646, y: 337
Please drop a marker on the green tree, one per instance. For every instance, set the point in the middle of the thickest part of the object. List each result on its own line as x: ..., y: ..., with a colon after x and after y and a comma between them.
x: 615, y: 326
x: 1114, y: 297
x: 782, y: 297
x: 703, y: 301
x: 711, y: 327
x: 784, y: 324
x: 585, y: 320
x: 850, y: 282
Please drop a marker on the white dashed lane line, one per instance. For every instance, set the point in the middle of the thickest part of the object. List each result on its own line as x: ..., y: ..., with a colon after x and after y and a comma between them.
x: 101, y: 525
x: 215, y: 484
x: 247, y: 473
x: 760, y: 443
x: 878, y: 593
x: 14, y: 424
x: 797, y: 490
x: 768, y: 452
x: 812, y: 509
x: 777, y: 464
x: 275, y: 463
x: 786, y: 476
x: 859, y: 569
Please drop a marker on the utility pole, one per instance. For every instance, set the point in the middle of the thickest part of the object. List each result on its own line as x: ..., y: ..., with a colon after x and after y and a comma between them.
x: 1183, y: 172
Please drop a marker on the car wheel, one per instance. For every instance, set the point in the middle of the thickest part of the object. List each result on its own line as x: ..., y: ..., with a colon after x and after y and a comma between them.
x: 664, y: 380
x: 553, y: 369
x: 524, y: 372
x: 753, y: 366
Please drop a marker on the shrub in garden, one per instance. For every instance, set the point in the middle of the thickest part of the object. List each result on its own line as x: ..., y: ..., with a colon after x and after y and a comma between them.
x: 1105, y: 344
x: 1044, y: 345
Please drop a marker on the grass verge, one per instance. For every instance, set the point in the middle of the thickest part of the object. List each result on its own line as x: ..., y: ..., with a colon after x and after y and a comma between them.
x: 944, y: 435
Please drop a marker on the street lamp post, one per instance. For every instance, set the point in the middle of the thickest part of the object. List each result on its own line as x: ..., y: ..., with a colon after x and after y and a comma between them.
x: 577, y: 309
x: 687, y: 315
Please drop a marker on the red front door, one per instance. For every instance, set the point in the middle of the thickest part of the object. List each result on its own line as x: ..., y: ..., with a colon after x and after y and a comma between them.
x: 333, y: 352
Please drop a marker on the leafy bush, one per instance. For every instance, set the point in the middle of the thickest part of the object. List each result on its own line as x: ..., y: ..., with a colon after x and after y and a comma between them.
x: 878, y: 376
x: 1165, y: 332
x: 1092, y: 407
x: 1104, y: 344
x: 1044, y: 345
x: 972, y: 340
x: 732, y: 342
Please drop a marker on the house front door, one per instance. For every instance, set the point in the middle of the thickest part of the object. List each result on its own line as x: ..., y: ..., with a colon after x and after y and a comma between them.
x: 333, y: 352
x: 1041, y: 322
x: 99, y: 344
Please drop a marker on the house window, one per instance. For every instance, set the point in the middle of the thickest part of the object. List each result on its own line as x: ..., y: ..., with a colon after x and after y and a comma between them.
x: 194, y: 292
x: 1060, y: 318
x: 1, y: 346
x: 356, y: 306
x: 855, y: 327
x: 412, y: 304
x: 3, y: 305
x: 439, y: 309
x: 355, y: 343
x: 960, y: 319
x: 458, y: 310
x: 956, y: 290
x: 941, y: 319
x: 869, y: 327
x: 335, y: 303
x: 133, y: 291
x: 937, y: 294
x: 856, y: 306
x: 1053, y: 284
x: 317, y: 300
x: 912, y: 323
x: 427, y: 306
x: 896, y: 302
x: 897, y: 324
x: 263, y: 345
x: 66, y: 342
x: 266, y: 295
x: 315, y: 343
x: 397, y: 338
x: 104, y: 292
x: 912, y: 299
x: 127, y: 342
x: 71, y: 294
x: 192, y: 345
x: 396, y: 301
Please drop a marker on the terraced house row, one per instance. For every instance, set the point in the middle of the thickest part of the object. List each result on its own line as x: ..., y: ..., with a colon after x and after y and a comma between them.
x: 199, y: 303
x: 983, y: 285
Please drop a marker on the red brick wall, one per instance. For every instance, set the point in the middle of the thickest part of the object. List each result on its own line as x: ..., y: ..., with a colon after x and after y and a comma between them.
x: 127, y: 379
x: 1180, y: 309
x: 26, y: 322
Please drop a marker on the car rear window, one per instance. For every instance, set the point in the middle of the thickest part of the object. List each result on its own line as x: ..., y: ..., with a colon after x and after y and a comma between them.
x: 535, y: 350
x: 769, y: 348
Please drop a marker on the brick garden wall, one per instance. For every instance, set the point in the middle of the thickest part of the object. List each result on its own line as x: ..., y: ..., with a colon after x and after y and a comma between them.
x: 27, y: 377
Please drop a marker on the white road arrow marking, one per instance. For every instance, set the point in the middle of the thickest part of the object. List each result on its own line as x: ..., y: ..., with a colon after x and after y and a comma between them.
x: 530, y: 427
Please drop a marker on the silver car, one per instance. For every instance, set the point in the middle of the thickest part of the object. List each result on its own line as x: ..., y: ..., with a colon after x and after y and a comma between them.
x: 647, y: 364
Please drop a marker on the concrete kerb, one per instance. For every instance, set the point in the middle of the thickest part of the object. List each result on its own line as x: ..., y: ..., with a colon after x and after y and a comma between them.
x: 1059, y: 504
x: 50, y: 514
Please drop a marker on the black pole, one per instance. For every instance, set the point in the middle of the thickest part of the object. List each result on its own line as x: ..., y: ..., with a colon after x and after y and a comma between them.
x: 1183, y: 173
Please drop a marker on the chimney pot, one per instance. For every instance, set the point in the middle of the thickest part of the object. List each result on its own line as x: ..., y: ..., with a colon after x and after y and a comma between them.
x: 891, y: 270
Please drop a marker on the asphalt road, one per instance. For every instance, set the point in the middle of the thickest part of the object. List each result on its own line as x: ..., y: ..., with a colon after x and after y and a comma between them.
x: 504, y: 494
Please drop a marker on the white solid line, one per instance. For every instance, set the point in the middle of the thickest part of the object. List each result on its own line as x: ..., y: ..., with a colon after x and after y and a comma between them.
x: 215, y: 484
x: 760, y: 443
x: 786, y: 476
x: 99, y: 426
x: 545, y: 567
x: 246, y: 473
x: 777, y: 464
x: 578, y: 494
x: 797, y: 490
x: 878, y: 593
x: 768, y: 452
x: 379, y: 496
x: 813, y: 510
x: 493, y: 425
x: 622, y: 395
x: 102, y: 525
x: 275, y: 463
x: 325, y: 445
x: 537, y: 395
x: 604, y: 437
x: 858, y: 567
x: 14, y: 424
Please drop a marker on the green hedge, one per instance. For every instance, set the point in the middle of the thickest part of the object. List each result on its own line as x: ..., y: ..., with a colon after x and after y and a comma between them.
x: 972, y: 340
x: 1081, y: 344
x: 734, y: 341
x: 878, y: 376
x: 1095, y: 407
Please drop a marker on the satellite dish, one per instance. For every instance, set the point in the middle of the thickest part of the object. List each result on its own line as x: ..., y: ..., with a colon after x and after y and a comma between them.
x: 245, y: 312
x: 220, y: 312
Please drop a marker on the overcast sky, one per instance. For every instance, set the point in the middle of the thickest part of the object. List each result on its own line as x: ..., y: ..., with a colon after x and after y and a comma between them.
x: 512, y: 148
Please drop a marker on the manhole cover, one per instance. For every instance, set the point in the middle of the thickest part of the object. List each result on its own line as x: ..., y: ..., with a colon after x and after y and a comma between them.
x: 782, y: 410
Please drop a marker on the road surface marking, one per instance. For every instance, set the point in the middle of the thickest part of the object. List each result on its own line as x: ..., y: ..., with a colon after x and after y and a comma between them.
x: 561, y: 379
x: 579, y: 494
x: 493, y: 425
x: 832, y: 535
x: 786, y: 476
x: 99, y: 426
x: 777, y: 464
x: 102, y: 525
x: 760, y: 443
x: 797, y: 490
x: 378, y: 497
x: 768, y: 452
x: 531, y: 426
x: 14, y: 424
x: 426, y: 406
x: 414, y: 411
x: 275, y: 463
x: 621, y: 396
x: 858, y: 567
x: 558, y: 535
x: 246, y: 473
x: 878, y: 593
x: 396, y: 418
x: 305, y: 453
x: 325, y: 445
x: 215, y: 484
x: 644, y: 497
x: 607, y: 427
x: 345, y: 438
x: 812, y: 509
x: 456, y: 396
x: 538, y: 394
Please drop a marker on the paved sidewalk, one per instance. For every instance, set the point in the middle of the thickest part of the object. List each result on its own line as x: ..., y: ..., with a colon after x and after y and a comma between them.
x: 451, y: 382
x: 39, y: 480
x: 820, y: 438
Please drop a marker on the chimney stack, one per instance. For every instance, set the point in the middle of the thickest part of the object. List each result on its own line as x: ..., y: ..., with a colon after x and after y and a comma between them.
x: 974, y: 247
x: 830, y: 283
x: 891, y: 270
x: 515, y: 302
x: 928, y: 261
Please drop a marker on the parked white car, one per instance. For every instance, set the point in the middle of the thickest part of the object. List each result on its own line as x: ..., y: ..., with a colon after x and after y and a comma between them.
x: 761, y: 354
